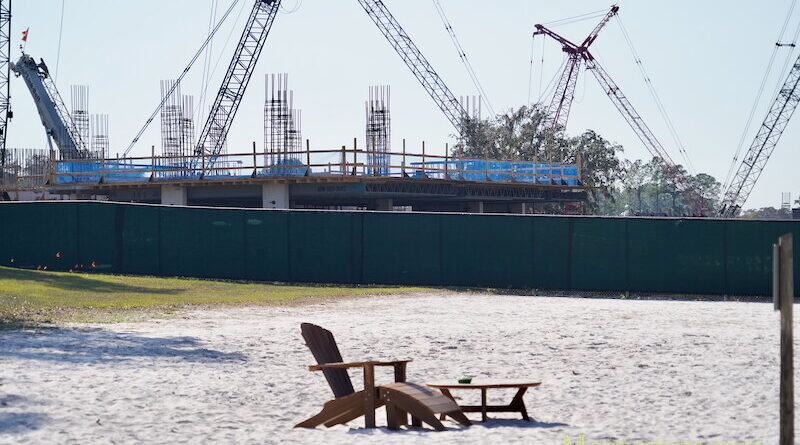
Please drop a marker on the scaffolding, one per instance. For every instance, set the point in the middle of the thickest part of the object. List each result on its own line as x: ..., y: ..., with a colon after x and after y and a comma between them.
x: 283, y: 140
x: 379, y: 130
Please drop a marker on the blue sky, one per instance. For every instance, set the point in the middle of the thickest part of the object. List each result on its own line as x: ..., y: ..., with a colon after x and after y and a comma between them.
x: 705, y: 58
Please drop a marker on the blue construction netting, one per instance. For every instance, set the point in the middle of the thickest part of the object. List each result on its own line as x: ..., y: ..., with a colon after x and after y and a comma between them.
x: 477, y: 170
x: 464, y: 170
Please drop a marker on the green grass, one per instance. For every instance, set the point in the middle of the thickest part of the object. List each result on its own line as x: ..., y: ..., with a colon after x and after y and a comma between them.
x: 34, y: 297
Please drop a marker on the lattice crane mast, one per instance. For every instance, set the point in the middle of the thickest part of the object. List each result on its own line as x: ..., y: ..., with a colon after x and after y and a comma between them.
x: 251, y: 43
x: 5, y: 75
x: 55, y: 116
x: 558, y: 112
x: 764, y: 144
x: 417, y: 63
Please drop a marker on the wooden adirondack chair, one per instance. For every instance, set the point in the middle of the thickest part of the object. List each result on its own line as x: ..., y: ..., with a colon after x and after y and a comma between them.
x: 422, y: 402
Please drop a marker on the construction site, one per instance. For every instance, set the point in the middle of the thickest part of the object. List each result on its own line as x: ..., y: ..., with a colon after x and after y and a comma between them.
x: 194, y: 164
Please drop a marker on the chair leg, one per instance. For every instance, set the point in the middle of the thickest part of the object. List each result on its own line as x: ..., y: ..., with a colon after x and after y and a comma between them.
x: 459, y: 417
x: 416, y: 422
x: 391, y: 417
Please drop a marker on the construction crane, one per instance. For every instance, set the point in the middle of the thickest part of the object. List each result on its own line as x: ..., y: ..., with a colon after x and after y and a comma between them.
x: 57, y: 121
x: 764, y: 144
x: 5, y: 75
x: 229, y: 97
x: 417, y: 63
x: 558, y: 112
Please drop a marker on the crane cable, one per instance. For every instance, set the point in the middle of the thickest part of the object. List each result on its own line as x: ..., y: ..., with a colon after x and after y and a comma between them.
x: 463, y: 56
x: 205, y: 78
x: 180, y: 78
x: 659, y: 104
x: 60, y: 33
x: 759, y: 96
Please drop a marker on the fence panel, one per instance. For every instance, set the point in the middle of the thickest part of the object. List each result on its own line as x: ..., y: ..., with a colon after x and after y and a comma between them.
x: 676, y: 255
x: 402, y: 249
x: 141, y: 246
x: 598, y: 254
x: 551, y: 252
x: 322, y: 247
x: 490, y: 251
x: 581, y: 253
x: 266, y: 246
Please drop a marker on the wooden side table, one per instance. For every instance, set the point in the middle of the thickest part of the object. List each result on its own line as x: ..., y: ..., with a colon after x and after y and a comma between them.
x: 517, y: 404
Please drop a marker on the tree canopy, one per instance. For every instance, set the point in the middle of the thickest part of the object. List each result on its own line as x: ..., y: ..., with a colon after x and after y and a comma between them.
x: 618, y: 186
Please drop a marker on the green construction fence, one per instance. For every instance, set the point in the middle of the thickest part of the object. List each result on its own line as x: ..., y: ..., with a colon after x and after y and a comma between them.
x: 670, y: 255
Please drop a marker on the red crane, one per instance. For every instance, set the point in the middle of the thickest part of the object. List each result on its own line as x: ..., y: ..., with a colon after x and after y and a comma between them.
x: 558, y: 112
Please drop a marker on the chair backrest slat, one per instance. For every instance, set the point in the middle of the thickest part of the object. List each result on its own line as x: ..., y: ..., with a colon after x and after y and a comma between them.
x: 322, y: 344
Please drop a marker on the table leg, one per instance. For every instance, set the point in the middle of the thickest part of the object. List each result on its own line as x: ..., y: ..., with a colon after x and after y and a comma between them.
x: 447, y: 393
x: 518, y: 404
x: 484, y: 417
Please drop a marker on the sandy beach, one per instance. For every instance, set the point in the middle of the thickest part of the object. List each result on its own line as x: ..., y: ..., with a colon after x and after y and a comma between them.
x: 613, y: 370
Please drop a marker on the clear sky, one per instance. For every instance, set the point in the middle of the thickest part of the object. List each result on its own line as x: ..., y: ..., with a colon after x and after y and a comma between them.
x: 705, y: 58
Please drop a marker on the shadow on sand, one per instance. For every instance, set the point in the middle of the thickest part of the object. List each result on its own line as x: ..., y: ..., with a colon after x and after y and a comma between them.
x: 91, y: 346
x: 15, y: 423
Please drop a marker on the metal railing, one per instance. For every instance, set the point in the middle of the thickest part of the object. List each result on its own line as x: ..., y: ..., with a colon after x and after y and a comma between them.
x: 316, y: 163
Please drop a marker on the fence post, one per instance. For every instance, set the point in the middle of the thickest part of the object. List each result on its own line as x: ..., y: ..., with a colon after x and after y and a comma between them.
x: 783, y: 298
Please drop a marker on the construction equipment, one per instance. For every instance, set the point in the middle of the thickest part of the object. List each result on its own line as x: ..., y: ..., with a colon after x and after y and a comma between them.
x: 558, y: 112
x: 223, y: 111
x: 5, y: 75
x: 57, y: 121
x: 417, y: 63
x: 778, y: 116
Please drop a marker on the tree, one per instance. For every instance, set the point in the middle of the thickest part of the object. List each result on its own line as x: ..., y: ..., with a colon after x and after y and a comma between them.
x: 521, y: 134
x: 767, y: 213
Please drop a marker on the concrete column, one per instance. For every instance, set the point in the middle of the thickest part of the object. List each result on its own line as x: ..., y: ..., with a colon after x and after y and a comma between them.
x: 275, y: 196
x: 518, y: 207
x: 475, y: 207
x: 384, y: 205
x: 173, y: 195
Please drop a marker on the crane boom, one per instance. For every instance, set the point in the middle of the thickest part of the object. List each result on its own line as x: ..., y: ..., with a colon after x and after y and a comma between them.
x: 646, y: 136
x: 560, y: 105
x: 764, y: 144
x: 223, y: 111
x: 55, y: 116
x: 416, y: 62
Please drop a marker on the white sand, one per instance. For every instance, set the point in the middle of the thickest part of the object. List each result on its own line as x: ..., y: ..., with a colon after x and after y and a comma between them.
x: 614, y: 370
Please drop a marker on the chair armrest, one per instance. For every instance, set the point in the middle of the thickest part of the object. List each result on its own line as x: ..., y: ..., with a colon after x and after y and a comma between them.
x: 355, y: 365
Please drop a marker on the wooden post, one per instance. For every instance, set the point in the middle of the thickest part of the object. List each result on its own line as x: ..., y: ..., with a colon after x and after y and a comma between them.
x: 152, y: 160
x: 403, y: 167
x: 783, y: 297
x: 446, y: 159
x: 255, y: 160
x: 423, y: 160
x: 344, y: 161
x: 308, y: 156
x: 369, y: 396
x: 355, y: 155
